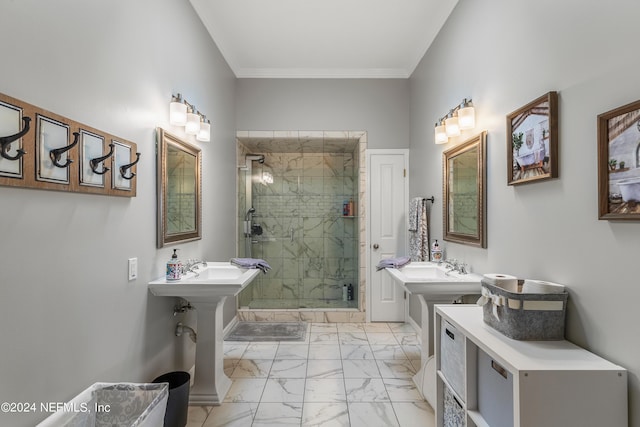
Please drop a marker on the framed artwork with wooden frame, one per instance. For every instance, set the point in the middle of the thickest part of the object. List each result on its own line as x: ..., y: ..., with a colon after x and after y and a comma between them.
x: 619, y: 163
x: 532, y: 141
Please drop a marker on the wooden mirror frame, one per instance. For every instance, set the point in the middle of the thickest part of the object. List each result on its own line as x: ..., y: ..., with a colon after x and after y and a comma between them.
x: 479, y: 239
x: 164, y: 141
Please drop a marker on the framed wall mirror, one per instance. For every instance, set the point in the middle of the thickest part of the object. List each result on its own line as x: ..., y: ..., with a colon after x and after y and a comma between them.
x: 179, y: 190
x: 464, y: 182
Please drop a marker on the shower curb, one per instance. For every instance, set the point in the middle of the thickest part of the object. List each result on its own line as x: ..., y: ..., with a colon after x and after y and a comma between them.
x: 338, y: 315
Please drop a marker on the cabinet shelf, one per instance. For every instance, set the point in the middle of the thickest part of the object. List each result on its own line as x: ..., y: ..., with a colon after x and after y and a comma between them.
x: 523, y: 383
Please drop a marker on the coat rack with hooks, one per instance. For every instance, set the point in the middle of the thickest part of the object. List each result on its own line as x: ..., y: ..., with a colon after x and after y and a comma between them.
x: 43, y: 150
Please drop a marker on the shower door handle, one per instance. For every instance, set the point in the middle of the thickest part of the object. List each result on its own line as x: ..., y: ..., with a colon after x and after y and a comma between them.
x: 291, y: 233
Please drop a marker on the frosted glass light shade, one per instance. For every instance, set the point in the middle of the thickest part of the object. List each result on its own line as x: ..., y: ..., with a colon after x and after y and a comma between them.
x: 467, y: 118
x: 204, y: 135
x: 192, y: 127
x: 177, y: 114
x: 441, y: 135
x: 451, y: 124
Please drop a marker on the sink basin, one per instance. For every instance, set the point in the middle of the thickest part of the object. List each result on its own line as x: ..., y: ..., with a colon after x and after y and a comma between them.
x: 432, y: 284
x: 217, y: 279
x: 430, y: 279
x: 207, y: 291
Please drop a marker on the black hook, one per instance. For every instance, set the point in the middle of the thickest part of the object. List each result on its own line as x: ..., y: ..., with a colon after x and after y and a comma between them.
x: 95, y: 162
x: 5, y: 141
x: 124, y: 168
x: 56, y: 153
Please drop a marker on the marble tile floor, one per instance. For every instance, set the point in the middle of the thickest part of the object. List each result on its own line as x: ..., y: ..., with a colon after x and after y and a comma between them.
x: 343, y: 374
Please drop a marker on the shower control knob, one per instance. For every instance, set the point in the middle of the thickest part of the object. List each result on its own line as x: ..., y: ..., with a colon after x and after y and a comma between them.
x: 376, y: 246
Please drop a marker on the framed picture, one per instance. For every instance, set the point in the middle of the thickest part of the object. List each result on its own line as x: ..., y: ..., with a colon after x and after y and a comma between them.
x: 51, y: 134
x: 532, y: 141
x: 121, y: 157
x: 91, y: 147
x: 11, y: 124
x: 619, y: 163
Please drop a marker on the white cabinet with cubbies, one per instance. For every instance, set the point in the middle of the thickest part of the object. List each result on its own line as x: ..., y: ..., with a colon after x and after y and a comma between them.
x: 485, y: 379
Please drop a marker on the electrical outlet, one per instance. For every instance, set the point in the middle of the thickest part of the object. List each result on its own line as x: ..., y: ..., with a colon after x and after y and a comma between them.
x: 133, y: 268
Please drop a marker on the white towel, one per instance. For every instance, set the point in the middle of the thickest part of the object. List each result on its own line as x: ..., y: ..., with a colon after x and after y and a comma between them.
x: 419, y: 229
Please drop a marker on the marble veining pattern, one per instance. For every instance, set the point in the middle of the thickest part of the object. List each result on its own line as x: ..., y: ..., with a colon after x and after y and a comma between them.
x: 312, y: 173
x: 338, y: 376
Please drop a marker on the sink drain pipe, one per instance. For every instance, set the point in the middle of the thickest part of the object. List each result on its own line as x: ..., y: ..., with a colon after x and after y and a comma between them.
x: 181, y: 329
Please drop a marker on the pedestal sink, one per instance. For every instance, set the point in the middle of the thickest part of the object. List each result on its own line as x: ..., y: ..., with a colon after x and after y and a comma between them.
x: 433, y: 284
x: 207, y: 291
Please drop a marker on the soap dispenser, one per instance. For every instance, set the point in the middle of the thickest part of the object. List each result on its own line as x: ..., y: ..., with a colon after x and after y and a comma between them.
x: 436, y: 252
x: 174, y: 267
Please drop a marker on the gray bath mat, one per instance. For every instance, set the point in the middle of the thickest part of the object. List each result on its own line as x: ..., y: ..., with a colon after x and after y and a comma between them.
x: 268, y: 331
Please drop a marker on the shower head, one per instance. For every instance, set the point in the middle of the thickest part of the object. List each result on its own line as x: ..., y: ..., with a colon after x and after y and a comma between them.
x: 249, y: 212
x: 255, y: 157
x: 251, y: 158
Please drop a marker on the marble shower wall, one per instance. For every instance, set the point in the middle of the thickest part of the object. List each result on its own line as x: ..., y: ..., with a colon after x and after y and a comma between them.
x: 312, y: 248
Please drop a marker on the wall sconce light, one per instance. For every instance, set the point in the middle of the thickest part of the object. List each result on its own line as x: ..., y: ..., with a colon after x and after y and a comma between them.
x: 177, y: 111
x: 460, y: 118
x: 182, y: 113
x: 450, y: 123
x: 204, y: 135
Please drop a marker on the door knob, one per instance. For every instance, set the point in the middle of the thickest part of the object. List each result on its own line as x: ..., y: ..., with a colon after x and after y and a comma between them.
x: 376, y: 246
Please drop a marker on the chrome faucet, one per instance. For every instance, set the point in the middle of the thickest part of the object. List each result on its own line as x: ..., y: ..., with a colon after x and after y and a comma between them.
x: 191, y: 265
x: 454, y: 265
x: 451, y: 264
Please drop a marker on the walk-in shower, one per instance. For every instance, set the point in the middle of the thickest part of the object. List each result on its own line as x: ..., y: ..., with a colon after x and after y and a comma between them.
x: 291, y: 199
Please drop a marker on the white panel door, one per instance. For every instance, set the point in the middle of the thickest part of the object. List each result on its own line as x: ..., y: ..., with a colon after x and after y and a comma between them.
x: 388, y: 192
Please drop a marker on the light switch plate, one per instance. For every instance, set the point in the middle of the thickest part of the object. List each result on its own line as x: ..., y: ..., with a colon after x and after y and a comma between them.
x: 133, y: 268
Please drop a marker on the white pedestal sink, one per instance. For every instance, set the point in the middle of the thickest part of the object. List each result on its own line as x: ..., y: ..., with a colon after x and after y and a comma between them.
x: 207, y: 292
x: 432, y: 284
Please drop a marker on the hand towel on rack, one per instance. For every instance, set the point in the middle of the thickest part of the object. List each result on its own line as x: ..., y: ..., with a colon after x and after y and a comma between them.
x: 419, y: 229
x: 251, y: 263
x: 393, y: 263
x: 415, y: 212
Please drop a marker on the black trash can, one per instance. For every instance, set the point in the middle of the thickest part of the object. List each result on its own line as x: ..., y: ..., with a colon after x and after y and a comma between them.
x: 178, y: 401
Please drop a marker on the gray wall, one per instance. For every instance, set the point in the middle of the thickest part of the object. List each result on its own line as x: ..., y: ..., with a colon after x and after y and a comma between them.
x: 378, y: 106
x: 69, y: 316
x: 515, y: 52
